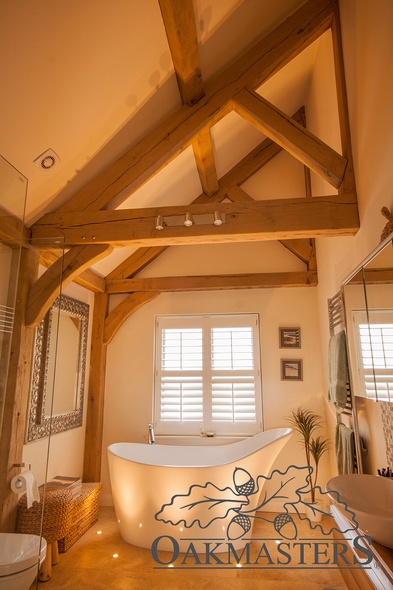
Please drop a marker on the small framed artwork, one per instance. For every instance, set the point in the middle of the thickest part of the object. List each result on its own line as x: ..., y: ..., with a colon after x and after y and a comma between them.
x: 289, y: 337
x: 291, y: 370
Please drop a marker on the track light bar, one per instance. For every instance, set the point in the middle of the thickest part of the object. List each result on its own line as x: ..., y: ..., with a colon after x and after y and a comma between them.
x: 189, y: 220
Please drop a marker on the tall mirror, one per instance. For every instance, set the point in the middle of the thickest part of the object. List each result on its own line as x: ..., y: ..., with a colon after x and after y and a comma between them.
x: 57, y: 386
x: 368, y: 299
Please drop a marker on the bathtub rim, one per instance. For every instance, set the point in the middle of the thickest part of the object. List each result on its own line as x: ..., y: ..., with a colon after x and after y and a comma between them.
x: 174, y: 456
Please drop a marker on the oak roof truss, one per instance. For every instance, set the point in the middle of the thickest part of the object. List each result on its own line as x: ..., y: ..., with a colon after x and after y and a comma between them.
x: 91, y: 224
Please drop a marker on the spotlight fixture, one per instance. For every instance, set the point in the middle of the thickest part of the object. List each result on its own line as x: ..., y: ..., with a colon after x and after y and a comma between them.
x: 160, y: 222
x: 217, y: 218
x: 189, y: 221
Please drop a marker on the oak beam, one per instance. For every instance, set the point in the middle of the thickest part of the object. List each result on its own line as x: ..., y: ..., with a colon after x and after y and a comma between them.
x: 88, y: 278
x: 349, y: 184
x: 12, y: 230
x: 301, y: 248
x: 277, y: 219
x: 96, y: 392
x: 124, y: 310
x: 215, y: 282
x: 204, y: 158
x: 373, y: 276
x: 293, y: 137
x: 110, y: 188
x: 12, y: 433
x: 138, y: 260
x: 179, y: 22
x: 61, y: 273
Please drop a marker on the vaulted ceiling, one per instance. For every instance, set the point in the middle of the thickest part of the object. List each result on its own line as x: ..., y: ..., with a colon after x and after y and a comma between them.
x: 231, y: 100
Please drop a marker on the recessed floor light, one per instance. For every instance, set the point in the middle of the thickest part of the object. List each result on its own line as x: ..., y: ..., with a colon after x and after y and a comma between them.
x: 47, y: 160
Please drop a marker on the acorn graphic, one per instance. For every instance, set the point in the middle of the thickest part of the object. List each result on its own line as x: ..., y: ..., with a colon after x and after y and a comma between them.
x: 284, y: 525
x: 244, y: 483
x: 238, y: 526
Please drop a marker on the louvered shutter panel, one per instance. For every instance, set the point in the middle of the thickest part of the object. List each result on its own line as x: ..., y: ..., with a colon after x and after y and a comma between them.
x: 181, y: 375
x: 374, y: 341
x: 233, y: 380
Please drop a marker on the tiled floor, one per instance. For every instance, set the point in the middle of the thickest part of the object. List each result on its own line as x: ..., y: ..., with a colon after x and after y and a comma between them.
x: 90, y: 564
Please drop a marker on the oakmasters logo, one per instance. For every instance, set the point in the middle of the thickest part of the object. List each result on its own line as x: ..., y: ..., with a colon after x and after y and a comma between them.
x: 302, y: 535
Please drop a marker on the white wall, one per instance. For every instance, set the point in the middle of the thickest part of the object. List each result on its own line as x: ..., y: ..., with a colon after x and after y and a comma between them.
x: 129, y: 382
x: 368, y: 48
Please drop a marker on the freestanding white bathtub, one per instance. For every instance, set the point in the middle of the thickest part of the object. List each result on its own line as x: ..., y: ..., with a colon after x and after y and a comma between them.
x: 190, y: 493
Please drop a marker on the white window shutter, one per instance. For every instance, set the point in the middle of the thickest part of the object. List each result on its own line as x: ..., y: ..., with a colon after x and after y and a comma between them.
x: 207, y: 374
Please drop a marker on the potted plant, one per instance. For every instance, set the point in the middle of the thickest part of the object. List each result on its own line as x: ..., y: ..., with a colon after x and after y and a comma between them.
x: 305, y: 422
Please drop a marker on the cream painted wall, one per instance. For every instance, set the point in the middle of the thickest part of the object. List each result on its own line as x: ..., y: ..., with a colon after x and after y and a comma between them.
x: 65, y: 449
x: 368, y: 50
x: 129, y: 383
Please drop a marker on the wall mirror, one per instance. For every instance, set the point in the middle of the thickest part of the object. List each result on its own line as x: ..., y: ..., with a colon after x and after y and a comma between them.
x: 368, y: 301
x: 59, y: 367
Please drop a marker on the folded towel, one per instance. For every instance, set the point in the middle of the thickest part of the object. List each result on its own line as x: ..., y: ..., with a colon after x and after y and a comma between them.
x: 337, y: 370
x: 345, y: 449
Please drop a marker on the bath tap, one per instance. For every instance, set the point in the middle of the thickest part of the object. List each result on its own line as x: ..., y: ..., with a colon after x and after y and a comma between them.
x: 150, y: 436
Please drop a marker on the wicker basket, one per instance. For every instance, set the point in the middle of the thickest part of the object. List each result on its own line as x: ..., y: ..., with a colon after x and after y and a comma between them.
x: 84, y: 514
x: 57, y: 514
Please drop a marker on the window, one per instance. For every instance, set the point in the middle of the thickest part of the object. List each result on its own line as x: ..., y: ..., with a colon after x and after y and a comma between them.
x: 207, y: 374
x: 374, y: 349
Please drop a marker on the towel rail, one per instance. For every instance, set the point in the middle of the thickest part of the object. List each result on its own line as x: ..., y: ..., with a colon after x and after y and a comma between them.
x: 337, y: 320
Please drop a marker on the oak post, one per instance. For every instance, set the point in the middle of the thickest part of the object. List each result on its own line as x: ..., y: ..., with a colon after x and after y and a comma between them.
x: 17, y: 392
x: 96, y: 392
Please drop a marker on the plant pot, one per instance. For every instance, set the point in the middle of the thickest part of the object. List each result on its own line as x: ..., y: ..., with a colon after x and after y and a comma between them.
x: 314, y: 511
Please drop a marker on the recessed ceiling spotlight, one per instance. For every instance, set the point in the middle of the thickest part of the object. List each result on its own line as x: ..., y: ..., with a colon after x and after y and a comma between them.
x: 47, y: 160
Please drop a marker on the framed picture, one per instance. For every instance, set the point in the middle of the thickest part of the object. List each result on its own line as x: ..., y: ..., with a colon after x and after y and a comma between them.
x: 289, y: 337
x: 291, y: 370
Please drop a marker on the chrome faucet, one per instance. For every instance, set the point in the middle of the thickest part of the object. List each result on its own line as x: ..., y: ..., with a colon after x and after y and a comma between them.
x: 150, y: 436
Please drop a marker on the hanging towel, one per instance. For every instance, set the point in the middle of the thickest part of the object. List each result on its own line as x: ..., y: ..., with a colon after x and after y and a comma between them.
x: 337, y: 369
x: 345, y: 449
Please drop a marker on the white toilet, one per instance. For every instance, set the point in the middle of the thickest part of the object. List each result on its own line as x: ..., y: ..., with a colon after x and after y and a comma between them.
x: 19, y: 560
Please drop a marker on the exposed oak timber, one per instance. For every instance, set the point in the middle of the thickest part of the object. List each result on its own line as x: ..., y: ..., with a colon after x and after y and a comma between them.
x: 278, y: 219
x: 237, y: 195
x: 373, y: 276
x: 241, y: 172
x: 110, y: 188
x: 349, y: 184
x: 88, y: 278
x: 135, y: 263
x: 17, y: 393
x: 61, y: 273
x: 204, y: 158
x: 12, y: 230
x: 96, y: 392
x: 301, y: 248
x: 292, y: 136
x: 312, y: 264
x: 179, y: 21
x: 215, y: 282
x: 124, y: 310
x: 307, y: 171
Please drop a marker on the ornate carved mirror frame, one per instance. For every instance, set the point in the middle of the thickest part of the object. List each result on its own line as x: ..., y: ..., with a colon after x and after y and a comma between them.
x: 42, y: 393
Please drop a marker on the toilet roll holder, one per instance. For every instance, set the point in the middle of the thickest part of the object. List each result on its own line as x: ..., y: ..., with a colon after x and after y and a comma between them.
x: 19, y: 482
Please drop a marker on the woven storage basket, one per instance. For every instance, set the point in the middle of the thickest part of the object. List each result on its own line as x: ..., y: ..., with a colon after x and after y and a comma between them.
x: 57, y: 514
x: 84, y: 514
